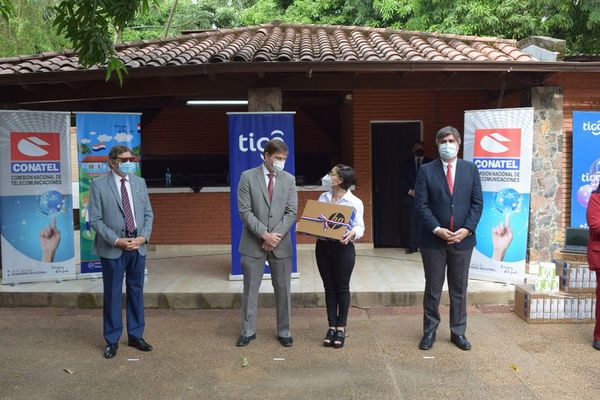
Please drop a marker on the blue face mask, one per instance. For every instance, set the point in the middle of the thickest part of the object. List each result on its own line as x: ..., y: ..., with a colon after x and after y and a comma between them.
x: 127, y: 167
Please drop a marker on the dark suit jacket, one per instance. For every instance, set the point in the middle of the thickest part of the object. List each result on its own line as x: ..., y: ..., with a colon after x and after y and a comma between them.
x: 409, y: 175
x: 435, y: 205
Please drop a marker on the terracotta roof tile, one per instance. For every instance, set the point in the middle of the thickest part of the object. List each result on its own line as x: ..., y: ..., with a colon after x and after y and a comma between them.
x: 288, y: 43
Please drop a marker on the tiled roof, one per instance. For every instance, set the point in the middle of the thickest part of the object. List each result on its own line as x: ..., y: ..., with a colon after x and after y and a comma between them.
x: 289, y: 43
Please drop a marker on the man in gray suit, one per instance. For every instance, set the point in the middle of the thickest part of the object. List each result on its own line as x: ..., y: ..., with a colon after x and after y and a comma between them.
x: 121, y: 215
x: 267, y: 203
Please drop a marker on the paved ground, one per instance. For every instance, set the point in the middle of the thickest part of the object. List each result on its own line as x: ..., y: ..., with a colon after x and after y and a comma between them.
x: 54, y: 353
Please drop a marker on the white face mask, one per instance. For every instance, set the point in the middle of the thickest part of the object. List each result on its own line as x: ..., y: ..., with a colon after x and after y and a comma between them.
x: 278, y: 165
x: 326, y: 182
x: 448, y: 151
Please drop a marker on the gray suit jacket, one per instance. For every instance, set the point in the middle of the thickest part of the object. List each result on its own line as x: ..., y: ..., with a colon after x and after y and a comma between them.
x: 260, y: 216
x: 106, y: 213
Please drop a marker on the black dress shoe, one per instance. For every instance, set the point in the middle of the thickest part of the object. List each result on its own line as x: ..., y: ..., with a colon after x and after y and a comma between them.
x: 139, y: 344
x: 410, y: 251
x: 427, y: 341
x: 596, y: 344
x: 244, y: 340
x: 461, y: 342
x: 110, y: 351
x: 286, y: 341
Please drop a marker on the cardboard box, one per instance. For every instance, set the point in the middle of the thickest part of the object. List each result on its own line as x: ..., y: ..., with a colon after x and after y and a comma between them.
x: 325, y: 220
x: 575, y: 277
x: 562, y: 307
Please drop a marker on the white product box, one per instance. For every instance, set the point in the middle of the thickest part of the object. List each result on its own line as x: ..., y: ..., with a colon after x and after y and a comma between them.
x: 586, y: 278
x: 533, y: 308
x: 568, y: 307
x: 561, y: 309
x: 554, y: 309
x: 581, y: 309
x: 572, y: 277
x: 579, y: 280
x: 588, y: 308
x: 574, y: 308
x: 546, y: 308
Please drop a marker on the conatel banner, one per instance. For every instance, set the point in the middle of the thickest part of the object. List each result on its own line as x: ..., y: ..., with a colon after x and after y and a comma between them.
x: 586, y: 163
x: 500, y: 143
x: 96, y: 134
x: 248, y: 135
x: 36, y: 207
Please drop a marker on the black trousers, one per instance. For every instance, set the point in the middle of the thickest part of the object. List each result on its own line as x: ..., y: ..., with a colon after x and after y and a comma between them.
x: 435, y: 262
x: 336, y: 262
x: 414, y: 225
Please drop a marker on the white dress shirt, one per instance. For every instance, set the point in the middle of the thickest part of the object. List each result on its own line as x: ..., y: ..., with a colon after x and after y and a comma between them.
x: 445, y: 166
x: 445, y: 170
x: 266, y: 173
x: 349, y: 199
x: 129, y: 195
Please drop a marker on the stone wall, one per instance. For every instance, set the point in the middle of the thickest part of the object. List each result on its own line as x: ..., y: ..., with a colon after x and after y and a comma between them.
x: 545, y: 230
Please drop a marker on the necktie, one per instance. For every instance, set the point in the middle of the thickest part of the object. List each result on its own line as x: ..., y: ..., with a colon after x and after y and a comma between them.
x: 270, y: 187
x: 418, y: 163
x: 129, y: 223
x: 450, y: 181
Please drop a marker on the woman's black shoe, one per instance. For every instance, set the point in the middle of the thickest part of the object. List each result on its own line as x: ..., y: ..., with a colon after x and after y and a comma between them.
x: 328, y: 341
x: 340, y: 337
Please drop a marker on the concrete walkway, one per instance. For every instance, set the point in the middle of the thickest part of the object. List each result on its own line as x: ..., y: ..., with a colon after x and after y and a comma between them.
x: 182, y: 279
x: 56, y: 354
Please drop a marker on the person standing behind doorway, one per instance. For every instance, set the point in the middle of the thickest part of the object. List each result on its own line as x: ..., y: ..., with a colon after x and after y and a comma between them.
x: 267, y: 203
x: 121, y: 214
x: 335, y: 259
x: 593, y: 252
x: 409, y: 175
x: 449, y: 202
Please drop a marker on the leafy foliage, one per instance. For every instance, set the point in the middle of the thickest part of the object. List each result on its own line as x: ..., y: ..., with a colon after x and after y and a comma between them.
x: 89, y: 25
x: 28, y: 30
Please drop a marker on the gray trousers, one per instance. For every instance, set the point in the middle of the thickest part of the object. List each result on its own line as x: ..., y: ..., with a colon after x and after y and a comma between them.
x: 434, y: 263
x: 281, y: 275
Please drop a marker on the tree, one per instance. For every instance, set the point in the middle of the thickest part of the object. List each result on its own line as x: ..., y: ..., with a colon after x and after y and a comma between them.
x: 30, y: 31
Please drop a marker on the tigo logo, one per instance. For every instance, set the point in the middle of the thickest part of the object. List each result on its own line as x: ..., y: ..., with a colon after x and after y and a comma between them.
x: 28, y: 146
x: 497, y: 142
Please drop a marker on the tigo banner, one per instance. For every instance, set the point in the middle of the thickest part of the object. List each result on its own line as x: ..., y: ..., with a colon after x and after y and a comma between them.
x: 248, y: 134
x: 36, y: 207
x: 500, y: 143
x: 97, y: 133
x: 586, y: 163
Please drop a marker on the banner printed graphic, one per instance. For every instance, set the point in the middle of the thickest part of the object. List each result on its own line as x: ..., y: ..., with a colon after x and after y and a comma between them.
x: 248, y: 134
x: 36, y: 207
x: 97, y: 133
x: 500, y: 143
x: 586, y: 163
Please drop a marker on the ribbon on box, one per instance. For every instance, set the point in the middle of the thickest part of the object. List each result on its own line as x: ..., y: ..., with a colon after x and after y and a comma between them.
x: 322, y: 218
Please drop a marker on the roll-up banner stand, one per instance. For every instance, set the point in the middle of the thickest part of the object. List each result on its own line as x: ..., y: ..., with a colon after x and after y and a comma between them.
x: 500, y: 143
x: 36, y: 206
x: 249, y: 132
x: 96, y: 134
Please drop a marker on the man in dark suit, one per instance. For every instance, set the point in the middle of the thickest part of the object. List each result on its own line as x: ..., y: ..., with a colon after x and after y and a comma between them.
x: 409, y: 176
x: 267, y: 203
x: 121, y: 215
x: 449, y: 202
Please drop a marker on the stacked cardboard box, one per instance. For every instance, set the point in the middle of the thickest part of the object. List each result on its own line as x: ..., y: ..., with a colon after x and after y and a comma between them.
x: 539, y: 307
x: 575, y: 277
